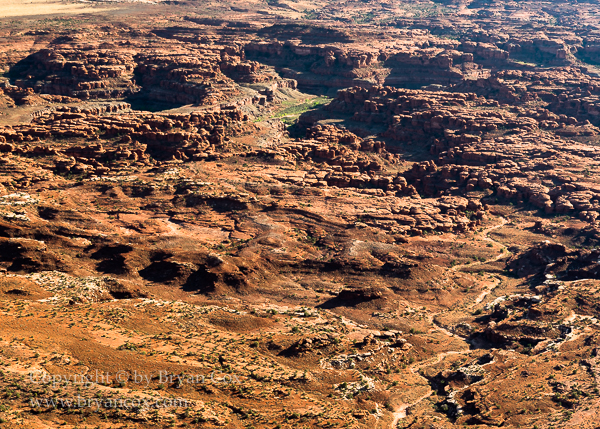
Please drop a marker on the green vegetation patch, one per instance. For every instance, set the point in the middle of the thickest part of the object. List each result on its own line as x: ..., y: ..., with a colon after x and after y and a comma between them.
x: 292, y: 111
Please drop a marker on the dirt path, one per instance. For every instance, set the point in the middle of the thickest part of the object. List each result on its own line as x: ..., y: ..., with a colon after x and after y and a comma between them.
x: 400, y: 412
x: 495, y: 282
x: 485, y: 237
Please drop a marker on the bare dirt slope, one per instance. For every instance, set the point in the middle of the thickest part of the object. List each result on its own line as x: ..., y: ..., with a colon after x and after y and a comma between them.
x: 33, y: 8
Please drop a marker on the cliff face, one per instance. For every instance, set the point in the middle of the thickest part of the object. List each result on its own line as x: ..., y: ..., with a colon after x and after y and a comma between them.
x: 337, y: 66
x: 78, y: 73
x: 476, y: 144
